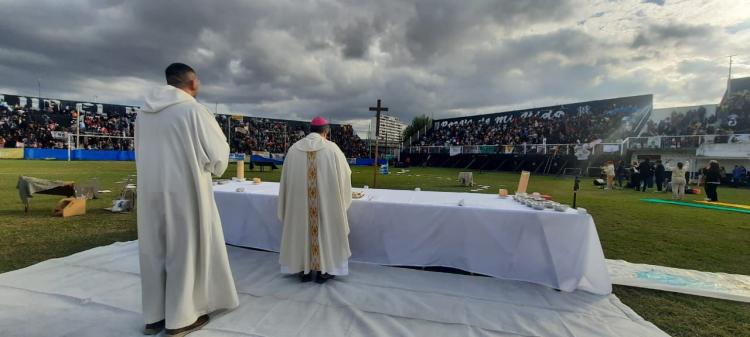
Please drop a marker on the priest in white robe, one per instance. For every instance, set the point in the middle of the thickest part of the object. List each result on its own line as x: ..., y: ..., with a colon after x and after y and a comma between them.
x: 315, y: 194
x: 185, y: 270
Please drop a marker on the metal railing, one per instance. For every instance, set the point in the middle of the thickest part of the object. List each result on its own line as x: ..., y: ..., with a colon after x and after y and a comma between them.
x: 630, y: 143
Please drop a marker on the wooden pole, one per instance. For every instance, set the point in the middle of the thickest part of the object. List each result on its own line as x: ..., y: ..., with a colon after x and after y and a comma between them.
x: 377, y: 110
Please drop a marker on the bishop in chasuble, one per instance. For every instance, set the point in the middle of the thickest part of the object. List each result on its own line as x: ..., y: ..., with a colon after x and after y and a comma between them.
x: 185, y: 271
x: 314, y: 195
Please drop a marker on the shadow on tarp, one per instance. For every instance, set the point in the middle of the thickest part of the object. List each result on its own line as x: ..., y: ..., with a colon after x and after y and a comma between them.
x: 697, y: 205
x: 79, y: 154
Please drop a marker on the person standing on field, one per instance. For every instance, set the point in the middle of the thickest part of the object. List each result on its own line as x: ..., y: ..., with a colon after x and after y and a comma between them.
x: 185, y: 272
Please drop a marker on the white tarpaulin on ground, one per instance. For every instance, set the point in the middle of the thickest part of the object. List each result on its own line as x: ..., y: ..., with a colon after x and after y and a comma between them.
x: 717, y: 285
x: 97, y: 293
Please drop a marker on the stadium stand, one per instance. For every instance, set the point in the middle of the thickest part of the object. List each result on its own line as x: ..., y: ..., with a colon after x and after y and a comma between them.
x: 610, y: 119
x: 110, y: 127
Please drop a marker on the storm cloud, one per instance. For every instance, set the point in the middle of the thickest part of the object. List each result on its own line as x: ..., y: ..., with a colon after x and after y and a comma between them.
x: 297, y: 59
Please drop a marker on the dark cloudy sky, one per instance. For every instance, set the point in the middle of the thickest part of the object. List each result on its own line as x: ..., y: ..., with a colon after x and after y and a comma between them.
x: 296, y: 59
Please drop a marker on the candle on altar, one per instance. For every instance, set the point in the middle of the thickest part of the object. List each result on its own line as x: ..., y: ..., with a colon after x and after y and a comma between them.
x: 241, y: 169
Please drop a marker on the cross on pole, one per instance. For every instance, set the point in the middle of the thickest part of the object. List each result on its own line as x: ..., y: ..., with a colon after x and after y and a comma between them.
x: 378, y: 109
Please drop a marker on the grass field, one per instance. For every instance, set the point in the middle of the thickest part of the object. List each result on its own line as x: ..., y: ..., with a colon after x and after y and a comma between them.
x: 629, y: 229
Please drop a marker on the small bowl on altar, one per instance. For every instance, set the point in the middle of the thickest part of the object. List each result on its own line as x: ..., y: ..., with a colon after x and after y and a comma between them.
x: 256, y: 181
x: 538, y: 206
x: 561, y: 207
x: 548, y: 204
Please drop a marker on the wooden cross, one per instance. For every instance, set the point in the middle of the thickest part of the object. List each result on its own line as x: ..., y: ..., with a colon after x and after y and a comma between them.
x: 377, y: 110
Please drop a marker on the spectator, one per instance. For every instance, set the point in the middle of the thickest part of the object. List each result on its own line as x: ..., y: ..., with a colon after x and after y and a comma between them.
x: 609, y: 169
x: 635, y: 176
x: 738, y: 174
x: 712, y: 181
x: 659, y: 174
x: 620, y: 172
x: 678, y: 182
x: 647, y: 174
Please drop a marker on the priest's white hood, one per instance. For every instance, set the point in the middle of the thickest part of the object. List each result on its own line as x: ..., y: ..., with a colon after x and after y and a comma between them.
x: 312, y: 142
x: 164, y: 97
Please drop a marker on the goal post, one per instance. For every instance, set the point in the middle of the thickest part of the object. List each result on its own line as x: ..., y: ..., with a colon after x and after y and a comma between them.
x: 71, y: 142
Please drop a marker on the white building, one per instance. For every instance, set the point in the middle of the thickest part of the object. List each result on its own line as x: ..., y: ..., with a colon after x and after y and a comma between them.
x: 391, y: 128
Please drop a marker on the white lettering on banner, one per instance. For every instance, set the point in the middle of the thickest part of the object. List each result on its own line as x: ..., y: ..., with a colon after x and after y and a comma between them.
x: 59, y: 134
x: 626, y: 106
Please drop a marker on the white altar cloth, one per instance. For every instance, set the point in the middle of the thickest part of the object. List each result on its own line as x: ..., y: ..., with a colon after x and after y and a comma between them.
x: 487, y: 235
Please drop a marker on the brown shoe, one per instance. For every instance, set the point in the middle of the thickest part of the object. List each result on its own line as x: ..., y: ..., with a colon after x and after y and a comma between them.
x: 153, y: 328
x: 181, y: 332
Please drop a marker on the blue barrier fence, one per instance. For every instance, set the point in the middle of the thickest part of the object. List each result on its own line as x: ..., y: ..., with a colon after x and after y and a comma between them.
x: 79, y: 154
x: 62, y: 154
x: 365, y: 161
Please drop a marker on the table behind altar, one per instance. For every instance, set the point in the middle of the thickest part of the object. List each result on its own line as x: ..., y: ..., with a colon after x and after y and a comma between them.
x: 487, y: 235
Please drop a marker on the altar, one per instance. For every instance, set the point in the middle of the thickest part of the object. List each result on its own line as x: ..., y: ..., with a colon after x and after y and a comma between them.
x: 479, y: 233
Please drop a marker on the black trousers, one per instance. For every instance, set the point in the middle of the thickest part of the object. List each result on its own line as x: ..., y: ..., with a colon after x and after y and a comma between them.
x: 659, y: 183
x: 711, y: 191
x: 648, y: 182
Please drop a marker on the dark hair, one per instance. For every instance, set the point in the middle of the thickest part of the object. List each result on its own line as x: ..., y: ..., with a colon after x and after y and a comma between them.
x: 177, y: 74
x: 320, y: 128
x: 679, y: 165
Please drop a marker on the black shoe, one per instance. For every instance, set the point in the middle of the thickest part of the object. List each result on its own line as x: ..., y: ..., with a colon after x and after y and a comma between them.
x: 324, y: 277
x: 153, y: 328
x: 304, y: 277
x: 181, y: 332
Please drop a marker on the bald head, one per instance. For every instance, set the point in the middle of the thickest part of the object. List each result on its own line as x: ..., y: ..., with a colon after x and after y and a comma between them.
x: 182, y: 76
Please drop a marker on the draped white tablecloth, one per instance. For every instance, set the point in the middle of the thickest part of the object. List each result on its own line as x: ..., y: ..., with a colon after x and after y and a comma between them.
x: 487, y: 235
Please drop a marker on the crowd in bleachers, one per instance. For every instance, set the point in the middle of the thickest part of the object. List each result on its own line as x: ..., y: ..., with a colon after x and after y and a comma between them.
x: 276, y: 136
x: 26, y: 126
x: 692, y: 122
x: 48, y: 128
x: 349, y: 142
x: 571, y: 129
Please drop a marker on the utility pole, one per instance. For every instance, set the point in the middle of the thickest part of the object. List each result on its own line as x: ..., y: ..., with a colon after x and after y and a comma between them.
x: 729, y: 78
